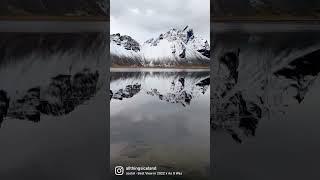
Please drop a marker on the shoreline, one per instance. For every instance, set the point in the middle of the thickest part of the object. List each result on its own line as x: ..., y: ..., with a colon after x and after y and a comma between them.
x: 266, y: 19
x: 55, y: 26
x: 135, y: 69
x: 271, y: 26
x: 177, y: 67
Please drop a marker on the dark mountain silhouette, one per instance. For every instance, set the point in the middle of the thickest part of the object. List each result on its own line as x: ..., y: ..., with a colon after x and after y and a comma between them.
x: 53, y: 8
x: 266, y: 9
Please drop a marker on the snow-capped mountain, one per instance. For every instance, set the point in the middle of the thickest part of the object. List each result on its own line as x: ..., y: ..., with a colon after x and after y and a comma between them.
x: 175, y: 47
x: 177, y: 44
x: 124, y: 46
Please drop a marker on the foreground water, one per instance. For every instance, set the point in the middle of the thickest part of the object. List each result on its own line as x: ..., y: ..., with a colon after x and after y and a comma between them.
x: 161, y: 118
x: 264, y: 107
x: 53, y: 106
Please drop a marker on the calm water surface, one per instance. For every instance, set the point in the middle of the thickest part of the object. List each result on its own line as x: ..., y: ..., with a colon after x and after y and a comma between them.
x: 52, y: 106
x: 265, y: 106
x: 161, y: 118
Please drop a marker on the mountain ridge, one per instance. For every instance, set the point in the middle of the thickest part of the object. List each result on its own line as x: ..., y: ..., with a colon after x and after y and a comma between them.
x: 53, y: 8
x: 176, y: 46
x: 266, y: 9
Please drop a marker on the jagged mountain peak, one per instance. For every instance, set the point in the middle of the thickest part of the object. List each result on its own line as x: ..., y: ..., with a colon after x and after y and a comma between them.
x: 174, y: 34
x: 179, y: 43
x: 126, y: 41
x: 175, y: 46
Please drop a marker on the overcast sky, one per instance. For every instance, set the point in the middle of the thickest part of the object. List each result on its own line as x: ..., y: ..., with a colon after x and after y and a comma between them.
x: 145, y: 19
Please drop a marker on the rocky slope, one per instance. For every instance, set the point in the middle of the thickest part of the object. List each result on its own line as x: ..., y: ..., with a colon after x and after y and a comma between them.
x: 125, y: 50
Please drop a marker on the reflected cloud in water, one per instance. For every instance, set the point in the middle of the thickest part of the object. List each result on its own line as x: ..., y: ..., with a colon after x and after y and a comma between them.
x: 161, y: 118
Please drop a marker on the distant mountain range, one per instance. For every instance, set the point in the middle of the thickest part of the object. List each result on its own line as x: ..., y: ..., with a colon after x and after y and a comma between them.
x: 175, y: 47
x: 53, y: 8
x: 294, y: 9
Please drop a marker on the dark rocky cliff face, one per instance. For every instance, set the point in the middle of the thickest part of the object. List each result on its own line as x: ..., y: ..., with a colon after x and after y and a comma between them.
x: 126, y: 41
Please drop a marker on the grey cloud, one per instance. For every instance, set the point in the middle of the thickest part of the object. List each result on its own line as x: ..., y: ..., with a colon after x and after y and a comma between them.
x: 143, y: 19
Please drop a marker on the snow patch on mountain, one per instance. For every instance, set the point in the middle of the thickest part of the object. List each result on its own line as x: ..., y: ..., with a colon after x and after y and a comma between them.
x: 123, y: 45
x: 177, y: 46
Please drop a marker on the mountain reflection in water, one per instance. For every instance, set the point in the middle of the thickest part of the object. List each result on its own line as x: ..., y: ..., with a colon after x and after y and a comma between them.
x: 52, y: 85
x: 264, y: 94
x: 63, y: 94
x: 161, y: 118
x: 177, y: 91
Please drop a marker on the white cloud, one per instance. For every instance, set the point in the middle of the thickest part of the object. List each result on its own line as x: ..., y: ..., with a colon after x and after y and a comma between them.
x: 149, y: 12
x: 134, y: 10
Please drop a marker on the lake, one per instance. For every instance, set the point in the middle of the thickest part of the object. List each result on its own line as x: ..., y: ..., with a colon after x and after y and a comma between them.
x: 264, y: 105
x: 52, y: 106
x: 160, y: 117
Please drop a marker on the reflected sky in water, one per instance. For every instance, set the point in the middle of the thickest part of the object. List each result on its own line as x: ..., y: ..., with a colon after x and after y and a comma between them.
x: 161, y: 119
